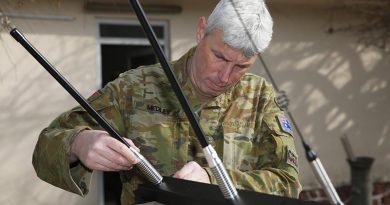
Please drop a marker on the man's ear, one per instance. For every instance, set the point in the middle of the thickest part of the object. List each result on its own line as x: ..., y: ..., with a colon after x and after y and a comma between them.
x: 201, y: 30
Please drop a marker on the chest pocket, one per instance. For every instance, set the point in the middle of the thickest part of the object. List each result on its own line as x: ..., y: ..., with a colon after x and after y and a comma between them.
x: 238, y: 128
x: 238, y: 145
x: 156, y: 131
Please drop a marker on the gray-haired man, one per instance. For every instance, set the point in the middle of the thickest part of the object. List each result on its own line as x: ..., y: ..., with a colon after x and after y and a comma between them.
x: 237, y: 111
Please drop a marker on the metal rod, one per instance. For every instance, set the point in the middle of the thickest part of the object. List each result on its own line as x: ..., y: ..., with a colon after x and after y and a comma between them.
x: 348, y: 148
x: 273, y: 82
x: 224, y: 182
x: 168, y: 71
x: 310, y: 155
x: 324, y: 179
x: 146, y: 168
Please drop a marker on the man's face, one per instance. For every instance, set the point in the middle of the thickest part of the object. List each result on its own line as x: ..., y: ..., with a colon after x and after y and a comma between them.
x: 215, y: 66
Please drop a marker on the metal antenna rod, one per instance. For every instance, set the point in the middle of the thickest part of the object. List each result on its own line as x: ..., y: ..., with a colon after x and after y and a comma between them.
x: 216, y: 165
x: 145, y: 167
x: 311, y: 156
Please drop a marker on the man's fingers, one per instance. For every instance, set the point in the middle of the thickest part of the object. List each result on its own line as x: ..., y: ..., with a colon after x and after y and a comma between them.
x: 124, y: 151
x: 185, y: 172
x: 104, y: 166
x: 194, y: 172
x: 98, y: 161
x: 115, y: 161
x: 132, y: 144
x: 99, y: 151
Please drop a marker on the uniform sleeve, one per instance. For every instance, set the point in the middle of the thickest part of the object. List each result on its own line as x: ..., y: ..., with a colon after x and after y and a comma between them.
x: 50, y: 157
x: 276, y: 169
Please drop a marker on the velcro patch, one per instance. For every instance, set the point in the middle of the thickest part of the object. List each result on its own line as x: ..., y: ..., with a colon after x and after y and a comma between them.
x: 155, y: 108
x: 292, y: 159
x: 95, y: 95
x: 284, y: 124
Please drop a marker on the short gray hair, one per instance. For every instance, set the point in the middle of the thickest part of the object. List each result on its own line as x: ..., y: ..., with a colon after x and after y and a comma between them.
x: 246, y: 25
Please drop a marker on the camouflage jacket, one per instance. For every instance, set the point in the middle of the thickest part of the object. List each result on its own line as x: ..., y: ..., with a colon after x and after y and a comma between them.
x: 244, y: 125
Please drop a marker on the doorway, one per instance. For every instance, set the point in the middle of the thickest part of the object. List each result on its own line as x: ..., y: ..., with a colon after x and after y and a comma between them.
x: 123, y: 46
x: 117, y: 59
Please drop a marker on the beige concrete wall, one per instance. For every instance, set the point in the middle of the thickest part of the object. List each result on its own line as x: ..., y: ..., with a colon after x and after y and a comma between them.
x: 334, y: 87
x: 30, y: 98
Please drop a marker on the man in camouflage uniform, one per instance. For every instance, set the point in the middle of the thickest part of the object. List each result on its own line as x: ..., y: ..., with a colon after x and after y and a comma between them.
x: 236, y: 110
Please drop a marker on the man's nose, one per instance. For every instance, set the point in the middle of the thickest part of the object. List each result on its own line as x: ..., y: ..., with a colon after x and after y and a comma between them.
x: 225, y: 73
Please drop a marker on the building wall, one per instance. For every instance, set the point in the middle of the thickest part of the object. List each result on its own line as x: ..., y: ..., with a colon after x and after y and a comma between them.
x: 30, y: 98
x: 335, y: 87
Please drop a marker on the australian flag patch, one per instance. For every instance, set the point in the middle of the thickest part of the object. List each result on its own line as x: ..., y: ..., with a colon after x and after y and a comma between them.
x: 285, y: 124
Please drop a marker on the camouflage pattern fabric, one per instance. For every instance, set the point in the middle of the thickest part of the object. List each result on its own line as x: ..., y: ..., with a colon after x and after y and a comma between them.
x: 242, y: 125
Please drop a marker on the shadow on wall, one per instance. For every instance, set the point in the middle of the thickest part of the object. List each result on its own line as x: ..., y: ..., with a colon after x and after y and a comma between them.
x: 336, y: 87
x: 30, y: 99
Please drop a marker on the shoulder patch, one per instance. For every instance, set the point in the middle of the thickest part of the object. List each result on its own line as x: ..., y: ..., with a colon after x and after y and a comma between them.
x: 284, y: 124
x: 95, y: 95
x: 292, y: 159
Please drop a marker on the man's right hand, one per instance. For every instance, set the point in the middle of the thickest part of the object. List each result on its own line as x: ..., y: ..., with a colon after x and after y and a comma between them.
x: 97, y: 150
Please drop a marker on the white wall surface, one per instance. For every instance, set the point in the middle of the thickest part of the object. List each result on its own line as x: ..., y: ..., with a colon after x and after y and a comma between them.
x: 334, y: 86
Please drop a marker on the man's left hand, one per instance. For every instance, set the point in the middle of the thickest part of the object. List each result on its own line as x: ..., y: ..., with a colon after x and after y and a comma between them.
x: 194, y: 172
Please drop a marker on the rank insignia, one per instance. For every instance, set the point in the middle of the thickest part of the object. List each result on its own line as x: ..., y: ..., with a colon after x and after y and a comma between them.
x: 285, y: 124
x: 292, y: 159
